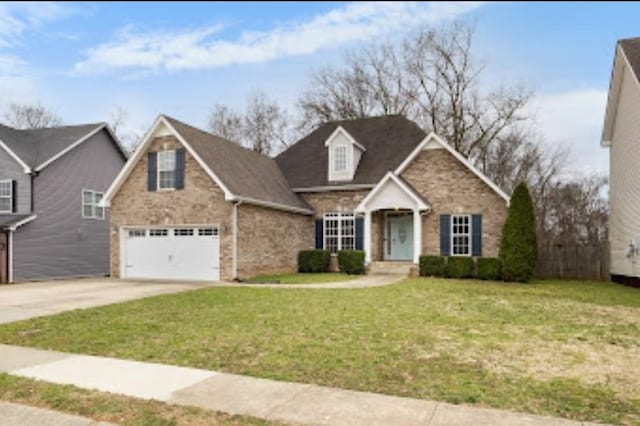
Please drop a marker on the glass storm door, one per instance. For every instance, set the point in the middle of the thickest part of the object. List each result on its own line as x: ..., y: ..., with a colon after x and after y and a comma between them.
x: 399, y: 237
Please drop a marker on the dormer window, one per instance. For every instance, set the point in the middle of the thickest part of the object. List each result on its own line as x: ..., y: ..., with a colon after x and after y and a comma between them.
x: 344, y: 155
x: 340, y: 159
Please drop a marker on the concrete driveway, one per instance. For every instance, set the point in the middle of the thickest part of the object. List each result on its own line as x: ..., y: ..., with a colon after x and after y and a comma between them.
x: 23, y: 301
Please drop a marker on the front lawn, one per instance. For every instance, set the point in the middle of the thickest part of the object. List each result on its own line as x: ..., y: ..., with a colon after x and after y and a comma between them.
x: 300, y: 278
x: 107, y: 407
x: 568, y: 349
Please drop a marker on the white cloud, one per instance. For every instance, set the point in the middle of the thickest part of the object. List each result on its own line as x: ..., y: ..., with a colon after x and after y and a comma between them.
x: 574, y: 119
x: 198, y: 49
x: 16, y: 18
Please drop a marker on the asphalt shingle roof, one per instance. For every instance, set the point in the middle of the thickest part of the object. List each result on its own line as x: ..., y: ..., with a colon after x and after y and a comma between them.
x: 7, y: 220
x: 35, y: 146
x: 244, y: 172
x: 388, y: 140
x: 631, y: 47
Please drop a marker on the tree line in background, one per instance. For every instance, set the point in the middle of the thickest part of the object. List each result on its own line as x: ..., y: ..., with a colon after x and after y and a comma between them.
x: 432, y: 77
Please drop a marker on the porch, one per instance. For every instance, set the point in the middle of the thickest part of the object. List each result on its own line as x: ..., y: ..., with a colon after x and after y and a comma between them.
x: 392, y: 221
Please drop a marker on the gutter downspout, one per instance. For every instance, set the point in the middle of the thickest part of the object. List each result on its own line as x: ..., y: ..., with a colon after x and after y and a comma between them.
x: 32, y: 174
x: 234, y: 250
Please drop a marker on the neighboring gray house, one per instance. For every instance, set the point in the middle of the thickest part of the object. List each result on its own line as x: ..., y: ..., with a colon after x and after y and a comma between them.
x: 51, y: 181
x: 621, y: 134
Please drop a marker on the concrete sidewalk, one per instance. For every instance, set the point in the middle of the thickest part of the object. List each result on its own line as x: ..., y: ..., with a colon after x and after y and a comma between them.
x: 234, y: 394
x: 20, y: 415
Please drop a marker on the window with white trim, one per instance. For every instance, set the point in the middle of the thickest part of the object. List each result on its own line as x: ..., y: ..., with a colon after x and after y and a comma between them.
x: 90, y: 204
x: 6, y: 196
x: 158, y: 232
x: 183, y: 232
x: 339, y: 231
x: 340, y: 159
x: 167, y: 169
x: 461, y: 235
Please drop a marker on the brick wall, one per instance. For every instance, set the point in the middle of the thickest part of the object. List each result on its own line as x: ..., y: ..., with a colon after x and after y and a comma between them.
x: 200, y: 202
x: 451, y: 188
x: 269, y: 240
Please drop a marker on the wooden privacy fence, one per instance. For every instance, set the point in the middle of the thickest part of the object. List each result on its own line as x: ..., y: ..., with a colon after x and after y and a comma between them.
x: 573, y: 261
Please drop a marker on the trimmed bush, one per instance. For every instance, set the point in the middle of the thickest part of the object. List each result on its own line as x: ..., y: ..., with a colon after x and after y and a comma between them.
x: 314, y: 261
x: 518, y: 247
x: 351, y: 261
x: 459, y: 267
x: 489, y: 268
x: 432, y: 266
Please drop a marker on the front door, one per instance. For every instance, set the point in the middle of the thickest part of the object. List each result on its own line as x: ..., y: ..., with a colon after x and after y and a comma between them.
x: 399, y: 237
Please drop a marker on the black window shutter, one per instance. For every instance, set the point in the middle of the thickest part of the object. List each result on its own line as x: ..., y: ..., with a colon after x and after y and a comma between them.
x: 180, y: 168
x: 476, y: 235
x: 14, y: 196
x: 152, y: 171
x: 359, y: 233
x: 445, y: 235
x: 319, y: 235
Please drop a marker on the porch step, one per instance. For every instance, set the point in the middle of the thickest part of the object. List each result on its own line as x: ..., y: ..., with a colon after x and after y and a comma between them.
x: 393, y: 268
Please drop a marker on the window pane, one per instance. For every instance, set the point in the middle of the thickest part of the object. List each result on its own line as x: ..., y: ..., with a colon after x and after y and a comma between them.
x: 166, y: 160
x: 87, y: 197
x: 340, y: 158
x: 167, y: 179
x: 99, y: 212
x: 5, y: 188
x: 87, y: 211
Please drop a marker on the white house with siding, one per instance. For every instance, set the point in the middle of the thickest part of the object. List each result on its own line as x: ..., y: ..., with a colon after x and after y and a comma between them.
x: 621, y: 134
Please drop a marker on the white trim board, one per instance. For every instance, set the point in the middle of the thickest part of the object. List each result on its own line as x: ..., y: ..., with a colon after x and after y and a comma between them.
x: 432, y: 137
x: 346, y: 134
x: 13, y: 155
x: 420, y: 204
x: 22, y: 222
x: 328, y: 188
x: 70, y: 147
x: 141, y: 149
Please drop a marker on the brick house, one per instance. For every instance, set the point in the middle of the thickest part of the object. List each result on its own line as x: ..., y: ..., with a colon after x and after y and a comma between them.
x: 190, y: 205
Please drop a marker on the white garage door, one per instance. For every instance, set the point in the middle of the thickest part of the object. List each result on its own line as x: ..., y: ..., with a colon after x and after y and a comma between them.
x: 171, y: 253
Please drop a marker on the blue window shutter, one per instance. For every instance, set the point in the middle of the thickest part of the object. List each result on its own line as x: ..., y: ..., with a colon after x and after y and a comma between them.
x: 319, y: 234
x: 152, y: 170
x: 14, y: 196
x: 180, y: 168
x: 445, y: 235
x: 476, y: 235
x: 359, y: 233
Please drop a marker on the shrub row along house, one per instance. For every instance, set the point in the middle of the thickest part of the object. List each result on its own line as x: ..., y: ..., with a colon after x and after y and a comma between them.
x: 190, y: 205
x: 51, y: 182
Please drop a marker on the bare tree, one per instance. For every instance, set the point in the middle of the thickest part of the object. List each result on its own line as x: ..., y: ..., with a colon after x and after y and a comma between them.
x: 118, y: 119
x: 264, y: 126
x: 577, y: 212
x: 226, y: 123
x: 431, y: 77
x: 24, y: 116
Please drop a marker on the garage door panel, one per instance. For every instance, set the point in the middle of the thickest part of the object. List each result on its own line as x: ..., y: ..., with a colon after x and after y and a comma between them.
x: 172, y: 253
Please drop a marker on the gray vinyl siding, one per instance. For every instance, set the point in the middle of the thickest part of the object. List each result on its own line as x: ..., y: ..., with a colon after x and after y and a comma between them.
x: 60, y: 243
x: 10, y: 169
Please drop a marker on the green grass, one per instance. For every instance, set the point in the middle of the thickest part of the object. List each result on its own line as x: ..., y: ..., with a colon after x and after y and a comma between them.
x: 300, y: 278
x: 568, y: 348
x: 108, y: 407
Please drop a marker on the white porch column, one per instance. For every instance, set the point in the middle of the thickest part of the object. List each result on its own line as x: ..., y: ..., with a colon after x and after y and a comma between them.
x: 417, y: 235
x: 367, y: 236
